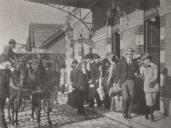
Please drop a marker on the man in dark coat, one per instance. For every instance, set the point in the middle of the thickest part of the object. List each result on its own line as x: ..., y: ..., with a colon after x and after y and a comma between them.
x: 81, y: 85
x: 94, y: 73
x: 73, y: 74
x: 8, y: 54
x: 125, y: 76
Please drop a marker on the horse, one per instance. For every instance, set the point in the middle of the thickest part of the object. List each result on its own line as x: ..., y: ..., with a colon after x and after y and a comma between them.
x: 21, y: 88
x: 30, y: 81
x: 45, y: 84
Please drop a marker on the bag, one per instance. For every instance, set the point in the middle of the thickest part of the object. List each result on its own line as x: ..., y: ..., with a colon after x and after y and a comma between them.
x: 116, y: 104
x: 115, y: 90
x: 73, y: 98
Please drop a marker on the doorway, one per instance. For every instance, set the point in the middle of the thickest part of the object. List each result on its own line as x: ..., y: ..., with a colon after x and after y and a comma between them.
x: 152, y: 44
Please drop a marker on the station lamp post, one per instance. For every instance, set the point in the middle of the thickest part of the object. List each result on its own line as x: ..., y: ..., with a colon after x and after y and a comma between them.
x: 81, y: 50
x: 69, y: 52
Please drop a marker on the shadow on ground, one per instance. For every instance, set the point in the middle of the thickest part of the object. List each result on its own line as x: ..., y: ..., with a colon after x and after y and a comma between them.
x: 60, y: 116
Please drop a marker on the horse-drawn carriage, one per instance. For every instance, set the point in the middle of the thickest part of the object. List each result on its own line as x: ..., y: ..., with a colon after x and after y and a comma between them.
x: 31, y: 84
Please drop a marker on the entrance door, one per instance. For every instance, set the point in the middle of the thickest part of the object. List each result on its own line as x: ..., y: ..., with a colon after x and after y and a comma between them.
x: 152, y: 38
x: 116, y: 44
x: 152, y: 43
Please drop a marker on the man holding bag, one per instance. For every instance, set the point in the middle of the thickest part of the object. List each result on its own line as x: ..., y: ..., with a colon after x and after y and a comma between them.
x: 126, y: 72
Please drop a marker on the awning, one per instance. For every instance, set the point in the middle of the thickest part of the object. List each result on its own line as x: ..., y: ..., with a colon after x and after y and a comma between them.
x: 73, y: 3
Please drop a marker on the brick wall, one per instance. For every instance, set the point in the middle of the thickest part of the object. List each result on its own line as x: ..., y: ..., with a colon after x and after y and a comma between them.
x: 132, y: 32
x: 165, y: 50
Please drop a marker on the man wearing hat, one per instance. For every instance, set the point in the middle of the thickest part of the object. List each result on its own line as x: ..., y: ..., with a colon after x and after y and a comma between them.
x: 8, y: 54
x: 82, y: 85
x: 151, y: 83
x: 126, y: 72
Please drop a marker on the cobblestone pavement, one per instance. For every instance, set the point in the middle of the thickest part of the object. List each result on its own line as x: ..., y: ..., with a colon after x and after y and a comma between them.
x: 64, y: 116
x: 96, y: 123
x: 60, y: 116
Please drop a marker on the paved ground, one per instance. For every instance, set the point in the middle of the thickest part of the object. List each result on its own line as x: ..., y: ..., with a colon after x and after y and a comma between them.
x: 64, y: 116
x: 60, y: 116
x: 96, y: 123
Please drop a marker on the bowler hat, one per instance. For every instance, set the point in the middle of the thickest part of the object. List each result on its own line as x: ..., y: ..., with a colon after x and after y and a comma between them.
x: 74, y: 61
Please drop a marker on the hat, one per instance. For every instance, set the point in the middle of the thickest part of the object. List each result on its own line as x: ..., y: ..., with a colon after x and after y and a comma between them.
x: 129, y: 51
x: 74, y: 61
x: 145, y: 56
x: 12, y: 41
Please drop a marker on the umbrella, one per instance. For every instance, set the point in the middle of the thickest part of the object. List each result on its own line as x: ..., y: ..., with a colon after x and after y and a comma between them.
x: 91, y: 56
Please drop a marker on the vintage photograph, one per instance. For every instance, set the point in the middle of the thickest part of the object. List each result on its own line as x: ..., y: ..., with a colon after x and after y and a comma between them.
x: 85, y: 64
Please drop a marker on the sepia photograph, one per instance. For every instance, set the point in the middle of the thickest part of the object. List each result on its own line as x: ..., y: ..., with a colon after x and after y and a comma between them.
x: 85, y: 64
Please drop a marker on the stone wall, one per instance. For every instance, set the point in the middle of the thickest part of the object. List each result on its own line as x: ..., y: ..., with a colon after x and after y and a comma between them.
x: 132, y: 31
x: 165, y: 49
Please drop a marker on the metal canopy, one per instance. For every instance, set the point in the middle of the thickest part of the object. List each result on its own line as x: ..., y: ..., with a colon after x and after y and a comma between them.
x: 74, y: 3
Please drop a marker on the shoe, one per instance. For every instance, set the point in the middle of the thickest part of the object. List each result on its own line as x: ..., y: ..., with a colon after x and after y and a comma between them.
x: 125, y: 116
x: 146, y: 117
x: 152, y: 118
x: 129, y: 116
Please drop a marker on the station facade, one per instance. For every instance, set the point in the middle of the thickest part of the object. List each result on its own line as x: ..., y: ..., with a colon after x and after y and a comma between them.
x: 144, y: 25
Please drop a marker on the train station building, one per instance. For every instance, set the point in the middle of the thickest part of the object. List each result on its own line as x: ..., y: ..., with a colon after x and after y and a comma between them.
x: 105, y: 26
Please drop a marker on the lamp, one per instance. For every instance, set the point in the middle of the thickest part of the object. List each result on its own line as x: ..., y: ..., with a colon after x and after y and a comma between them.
x: 81, y: 39
x: 69, y: 31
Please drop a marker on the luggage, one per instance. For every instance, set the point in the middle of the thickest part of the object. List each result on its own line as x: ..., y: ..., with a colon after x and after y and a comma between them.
x: 116, y: 104
x: 115, y: 90
x: 73, y: 98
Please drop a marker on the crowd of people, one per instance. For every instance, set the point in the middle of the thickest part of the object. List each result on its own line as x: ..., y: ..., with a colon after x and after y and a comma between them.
x: 98, y: 82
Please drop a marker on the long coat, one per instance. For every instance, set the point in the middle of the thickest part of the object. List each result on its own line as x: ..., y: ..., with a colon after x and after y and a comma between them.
x: 151, y: 79
x: 82, y: 80
x: 73, y: 76
x: 121, y: 70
